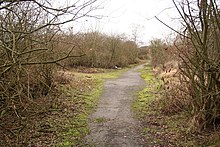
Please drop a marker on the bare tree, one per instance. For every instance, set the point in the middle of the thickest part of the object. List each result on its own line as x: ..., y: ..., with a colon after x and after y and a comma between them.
x: 137, y: 31
x: 200, y: 56
x: 29, y: 42
x: 23, y: 20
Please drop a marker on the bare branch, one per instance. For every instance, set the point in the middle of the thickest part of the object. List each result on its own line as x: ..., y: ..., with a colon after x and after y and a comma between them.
x: 171, y: 28
x: 45, y: 62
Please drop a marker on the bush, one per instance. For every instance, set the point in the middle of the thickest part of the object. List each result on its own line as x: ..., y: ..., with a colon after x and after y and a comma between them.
x: 200, y: 60
x: 102, y: 51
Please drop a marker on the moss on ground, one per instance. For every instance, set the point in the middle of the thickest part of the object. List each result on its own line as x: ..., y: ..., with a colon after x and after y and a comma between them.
x: 100, y: 120
x: 148, y: 94
x: 78, y: 100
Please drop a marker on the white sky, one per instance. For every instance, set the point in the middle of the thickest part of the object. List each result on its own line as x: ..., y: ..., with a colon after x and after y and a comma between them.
x: 122, y: 14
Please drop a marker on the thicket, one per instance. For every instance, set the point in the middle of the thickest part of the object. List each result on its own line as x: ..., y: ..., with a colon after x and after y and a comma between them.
x: 198, y: 56
x: 28, y: 57
x: 144, y: 53
x: 28, y: 48
x: 101, y: 50
x: 162, y: 52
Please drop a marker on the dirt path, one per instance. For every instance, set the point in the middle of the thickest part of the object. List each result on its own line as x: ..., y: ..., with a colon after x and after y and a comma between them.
x: 112, y: 124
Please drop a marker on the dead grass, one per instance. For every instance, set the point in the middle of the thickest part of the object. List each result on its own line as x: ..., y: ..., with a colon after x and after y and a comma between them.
x: 58, y: 119
x: 41, y: 121
x: 82, y: 69
x: 164, y: 123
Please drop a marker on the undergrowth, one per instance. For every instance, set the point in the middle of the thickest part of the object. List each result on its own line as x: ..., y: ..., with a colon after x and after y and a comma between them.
x: 61, y: 118
x: 159, y: 129
x: 78, y: 101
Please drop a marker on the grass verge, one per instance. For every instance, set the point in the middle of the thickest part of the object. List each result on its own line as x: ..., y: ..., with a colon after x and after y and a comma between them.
x: 59, y: 118
x: 159, y: 129
x: 78, y: 100
x: 148, y: 94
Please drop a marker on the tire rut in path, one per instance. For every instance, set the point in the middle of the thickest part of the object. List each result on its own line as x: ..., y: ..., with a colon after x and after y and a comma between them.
x: 117, y: 127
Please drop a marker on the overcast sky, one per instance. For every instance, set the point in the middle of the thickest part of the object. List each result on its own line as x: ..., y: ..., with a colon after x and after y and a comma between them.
x: 121, y: 15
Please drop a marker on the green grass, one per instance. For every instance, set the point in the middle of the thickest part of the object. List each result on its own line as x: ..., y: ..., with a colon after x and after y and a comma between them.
x: 109, y: 74
x: 147, y: 110
x: 148, y: 94
x: 146, y: 73
x: 80, y: 99
x: 158, y: 127
x: 100, y: 120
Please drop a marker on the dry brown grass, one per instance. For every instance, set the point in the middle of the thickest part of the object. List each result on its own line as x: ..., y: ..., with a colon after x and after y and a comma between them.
x: 40, y: 121
x: 163, y: 116
x: 175, y: 97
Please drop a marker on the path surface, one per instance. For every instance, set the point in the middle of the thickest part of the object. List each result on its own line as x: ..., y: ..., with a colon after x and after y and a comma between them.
x: 112, y: 124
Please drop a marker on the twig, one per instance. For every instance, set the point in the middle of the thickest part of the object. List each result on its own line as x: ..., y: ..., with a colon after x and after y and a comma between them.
x: 171, y: 28
x: 7, y: 130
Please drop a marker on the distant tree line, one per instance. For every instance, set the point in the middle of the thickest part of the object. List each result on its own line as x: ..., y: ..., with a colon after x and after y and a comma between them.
x: 101, y: 50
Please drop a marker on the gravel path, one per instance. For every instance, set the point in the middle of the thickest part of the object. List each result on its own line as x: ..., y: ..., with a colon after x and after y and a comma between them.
x: 112, y: 124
